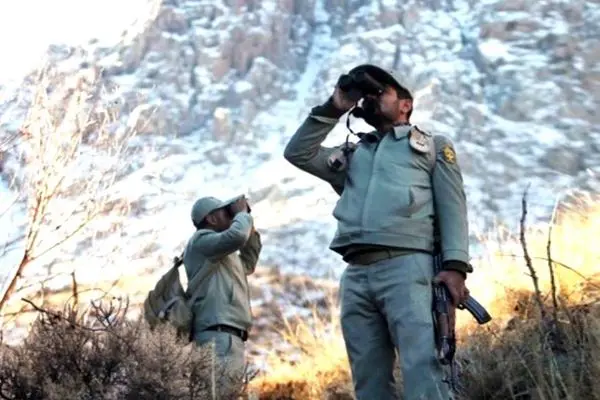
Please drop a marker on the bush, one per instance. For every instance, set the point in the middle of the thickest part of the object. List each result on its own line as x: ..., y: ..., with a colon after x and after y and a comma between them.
x: 529, y: 358
x: 101, y: 355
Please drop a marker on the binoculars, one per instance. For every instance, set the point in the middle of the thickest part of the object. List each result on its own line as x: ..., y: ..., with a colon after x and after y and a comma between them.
x: 359, y: 84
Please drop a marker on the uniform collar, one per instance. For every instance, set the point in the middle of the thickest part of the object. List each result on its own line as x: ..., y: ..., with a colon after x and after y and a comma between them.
x: 401, y: 131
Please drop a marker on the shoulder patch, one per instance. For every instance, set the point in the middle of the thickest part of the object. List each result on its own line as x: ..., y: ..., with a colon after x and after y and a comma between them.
x: 448, y: 154
x: 419, y: 140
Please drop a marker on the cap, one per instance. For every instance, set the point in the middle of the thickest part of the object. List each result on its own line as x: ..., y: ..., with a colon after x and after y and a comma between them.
x: 205, y: 205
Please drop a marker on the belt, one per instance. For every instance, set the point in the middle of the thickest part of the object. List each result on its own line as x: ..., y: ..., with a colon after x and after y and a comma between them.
x: 370, y: 257
x: 242, y: 334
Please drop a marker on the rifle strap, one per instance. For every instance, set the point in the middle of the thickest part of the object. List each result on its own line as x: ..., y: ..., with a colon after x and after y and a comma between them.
x: 432, y: 164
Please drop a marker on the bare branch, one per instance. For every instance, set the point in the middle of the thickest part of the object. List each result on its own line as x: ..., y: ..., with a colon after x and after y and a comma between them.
x: 73, y: 153
x: 74, y: 288
x: 60, y: 316
x: 587, y: 279
x: 10, y: 205
x: 10, y: 141
x: 551, y: 266
x: 528, y: 262
x: 9, y: 243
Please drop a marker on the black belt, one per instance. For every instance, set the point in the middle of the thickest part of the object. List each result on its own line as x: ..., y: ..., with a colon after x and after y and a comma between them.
x: 372, y: 256
x: 242, y: 334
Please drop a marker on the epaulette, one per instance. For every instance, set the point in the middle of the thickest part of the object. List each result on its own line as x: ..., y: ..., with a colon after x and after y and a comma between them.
x: 419, y: 140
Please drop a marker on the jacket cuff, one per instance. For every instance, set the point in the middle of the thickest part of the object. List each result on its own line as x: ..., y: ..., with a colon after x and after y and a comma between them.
x: 455, y: 254
x: 327, y: 109
x: 458, y: 266
x: 245, y: 218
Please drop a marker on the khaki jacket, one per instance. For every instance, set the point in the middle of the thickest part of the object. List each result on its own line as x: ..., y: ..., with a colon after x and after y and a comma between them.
x: 232, y: 255
x: 389, y: 192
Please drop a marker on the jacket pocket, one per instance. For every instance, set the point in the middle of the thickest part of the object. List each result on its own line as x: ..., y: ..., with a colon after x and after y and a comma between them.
x: 348, y: 208
x: 388, y: 209
x: 418, y: 198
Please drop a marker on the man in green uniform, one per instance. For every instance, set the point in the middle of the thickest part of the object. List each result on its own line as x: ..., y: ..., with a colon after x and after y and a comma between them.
x: 393, y: 185
x: 225, y: 247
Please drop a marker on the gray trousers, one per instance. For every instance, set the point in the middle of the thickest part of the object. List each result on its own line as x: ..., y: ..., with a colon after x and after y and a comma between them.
x: 229, y: 362
x: 387, y: 306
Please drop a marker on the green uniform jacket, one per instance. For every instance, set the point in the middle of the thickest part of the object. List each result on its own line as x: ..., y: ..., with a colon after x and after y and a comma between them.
x: 387, y: 190
x: 224, y: 296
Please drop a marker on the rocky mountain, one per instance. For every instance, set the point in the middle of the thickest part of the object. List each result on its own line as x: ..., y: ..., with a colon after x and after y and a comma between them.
x: 219, y: 86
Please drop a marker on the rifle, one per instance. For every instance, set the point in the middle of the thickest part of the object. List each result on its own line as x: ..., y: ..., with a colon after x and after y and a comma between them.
x: 444, y: 334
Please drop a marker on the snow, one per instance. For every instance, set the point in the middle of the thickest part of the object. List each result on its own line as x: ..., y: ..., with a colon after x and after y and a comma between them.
x: 494, y: 50
x: 242, y: 86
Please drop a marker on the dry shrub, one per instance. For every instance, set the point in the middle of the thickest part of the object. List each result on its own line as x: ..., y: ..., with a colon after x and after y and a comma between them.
x: 528, y: 359
x: 103, y: 355
x: 70, y: 152
x: 568, y: 241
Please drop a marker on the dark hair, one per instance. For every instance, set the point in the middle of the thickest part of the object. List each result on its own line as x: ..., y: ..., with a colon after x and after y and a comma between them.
x: 403, y: 94
x: 200, y: 224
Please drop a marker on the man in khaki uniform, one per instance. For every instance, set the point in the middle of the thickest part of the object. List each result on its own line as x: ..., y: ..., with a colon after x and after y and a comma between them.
x: 391, y: 192
x: 226, y: 248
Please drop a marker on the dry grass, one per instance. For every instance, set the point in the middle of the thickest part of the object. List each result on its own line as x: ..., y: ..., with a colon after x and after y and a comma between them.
x: 517, y: 356
x: 316, y: 362
x: 502, y: 270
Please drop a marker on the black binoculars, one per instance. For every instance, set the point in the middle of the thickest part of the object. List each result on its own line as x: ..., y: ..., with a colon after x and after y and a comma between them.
x: 359, y: 84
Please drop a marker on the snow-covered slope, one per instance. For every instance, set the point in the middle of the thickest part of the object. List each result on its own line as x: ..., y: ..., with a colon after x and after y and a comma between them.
x: 515, y: 83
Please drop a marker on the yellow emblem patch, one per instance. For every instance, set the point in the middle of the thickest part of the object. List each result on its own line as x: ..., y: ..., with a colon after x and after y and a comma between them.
x: 449, y: 154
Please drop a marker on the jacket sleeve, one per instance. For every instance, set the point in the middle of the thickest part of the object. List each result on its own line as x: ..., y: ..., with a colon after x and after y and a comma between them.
x: 250, y: 252
x: 214, y: 245
x: 304, y: 150
x: 451, y: 207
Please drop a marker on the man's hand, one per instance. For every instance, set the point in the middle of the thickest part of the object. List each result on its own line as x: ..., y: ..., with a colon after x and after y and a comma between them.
x: 341, y: 101
x: 455, y: 282
x: 240, y: 205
